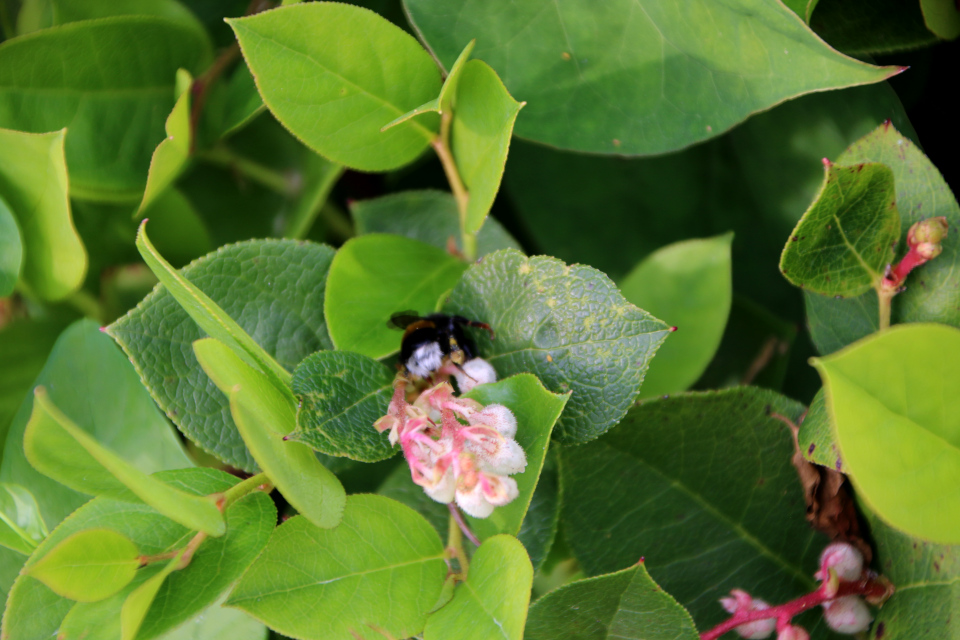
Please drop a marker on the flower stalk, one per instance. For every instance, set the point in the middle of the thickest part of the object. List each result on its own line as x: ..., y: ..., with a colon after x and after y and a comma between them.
x: 923, y: 242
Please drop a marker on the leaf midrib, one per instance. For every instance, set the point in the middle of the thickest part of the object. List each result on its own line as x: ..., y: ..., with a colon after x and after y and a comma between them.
x: 706, y: 506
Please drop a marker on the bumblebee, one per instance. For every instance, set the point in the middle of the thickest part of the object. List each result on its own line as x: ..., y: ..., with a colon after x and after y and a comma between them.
x: 432, y: 341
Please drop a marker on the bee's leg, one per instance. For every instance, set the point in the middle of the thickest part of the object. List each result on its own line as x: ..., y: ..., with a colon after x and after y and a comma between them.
x: 482, y: 325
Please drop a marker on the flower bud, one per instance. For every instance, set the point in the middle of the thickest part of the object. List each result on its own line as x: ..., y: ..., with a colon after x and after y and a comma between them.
x: 793, y: 633
x: 928, y: 250
x: 848, y: 614
x: 845, y: 559
x: 498, y: 417
x: 474, y: 372
x: 742, y: 602
x: 931, y: 230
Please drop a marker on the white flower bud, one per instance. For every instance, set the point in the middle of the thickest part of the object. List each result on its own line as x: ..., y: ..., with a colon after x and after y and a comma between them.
x: 743, y: 601
x: 848, y: 614
x: 444, y: 489
x: 845, y: 559
x: 498, y: 417
x: 473, y: 502
x: 509, y: 459
x: 474, y: 372
x: 757, y: 629
x: 793, y: 633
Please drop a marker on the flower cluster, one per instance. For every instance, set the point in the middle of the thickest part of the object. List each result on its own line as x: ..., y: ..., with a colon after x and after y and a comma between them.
x: 841, y: 565
x: 469, y: 461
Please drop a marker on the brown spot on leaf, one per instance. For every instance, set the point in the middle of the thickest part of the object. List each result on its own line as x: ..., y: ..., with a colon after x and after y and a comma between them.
x: 881, y: 628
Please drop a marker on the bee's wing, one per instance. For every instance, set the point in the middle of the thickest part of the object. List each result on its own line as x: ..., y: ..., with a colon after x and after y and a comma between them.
x: 403, y: 319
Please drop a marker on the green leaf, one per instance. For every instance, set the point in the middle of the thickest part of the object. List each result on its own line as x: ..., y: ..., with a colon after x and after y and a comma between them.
x: 680, y: 73
x: 365, y: 72
x: 859, y: 27
x: 942, y: 17
x: 264, y: 416
x: 627, y: 604
x: 112, y: 82
x: 243, y: 102
x: 926, y: 575
x: 137, y: 604
x: 845, y: 240
x: 448, y: 92
x: 701, y: 486
x: 43, y: 14
x: 274, y: 289
x: 536, y: 410
x: 539, y: 528
x: 171, y: 155
x: 482, y: 127
x: 688, y: 284
x: 569, y: 326
x: 11, y: 250
x: 383, y: 567
x: 895, y: 415
x: 88, y: 566
x: 21, y: 525
x: 219, y: 623
x: 319, y: 177
x: 341, y: 394
x: 817, y: 442
x: 88, y: 378
x: 835, y: 323
x: 34, y: 612
x: 803, y: 8
x: 33, y: 183
x: 211, y: 318
x: 428, y: 216
x: 177, y: 229
x: 933, y: 290
x: 492, y: 603
x: 374, y: 276
x: 60, y: 449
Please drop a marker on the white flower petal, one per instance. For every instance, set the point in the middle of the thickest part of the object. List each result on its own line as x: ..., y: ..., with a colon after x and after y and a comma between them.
x: 445, y: 488
x: 508, y: 460
x: 474, y: 503
x: 498, y: 417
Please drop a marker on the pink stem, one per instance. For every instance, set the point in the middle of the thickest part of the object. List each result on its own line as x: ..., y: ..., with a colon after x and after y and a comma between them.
x: 458, y: 517
x: 786, y: 611
x: 902, y: 269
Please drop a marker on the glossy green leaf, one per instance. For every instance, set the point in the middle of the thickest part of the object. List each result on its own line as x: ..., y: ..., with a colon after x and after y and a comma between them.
x: 319, y: 177
x: 43, y: 14
x: 942, y: 17
x: 273, y: 288
x: 365, y: 72
x: 177, y: 229
x: 11, y: 250
x: 482, y: 127
x: 817, y: 441
x: 376, y: 275
x: 492, y: 603
x: 88, y: 378
x: 897, y: 423
x: 21, y: 525
x: 111, y: 81
x: 171, y: 155
x: 211, y: 318
x: 383, y: 567
x: 36, y: 613
x: 33, y: 184
x: 60, y: 449
x: 138, y: 603
x: 627, y: 604
x: 428, y: 216
x: 933, y: 290
x: 341, y: 394
x: 264, y: 415
x: 538, y: 531
x: 845, y: 240
x: 88, y: 566
x: 927, y: 577
x: 536, y: 410
x: 701, y: 486
x: 688, y: 284
x: 569, y: 326
x: 803, y: 8
x: 448, y: 92
x: 639, y: 78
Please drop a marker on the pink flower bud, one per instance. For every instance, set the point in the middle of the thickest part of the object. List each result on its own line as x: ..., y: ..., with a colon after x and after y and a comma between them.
x: 793, y: 633
x: 743, y: 602
x: 474, y: 372
x: 931, y: 230
x: 848, y: 614
x: 843, y: 558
